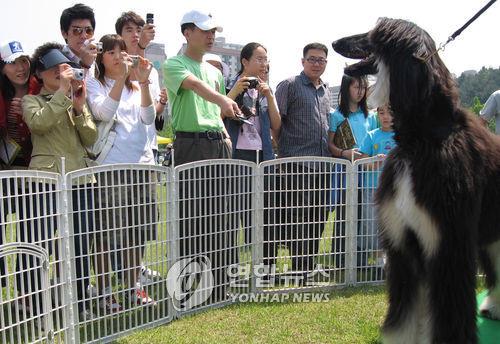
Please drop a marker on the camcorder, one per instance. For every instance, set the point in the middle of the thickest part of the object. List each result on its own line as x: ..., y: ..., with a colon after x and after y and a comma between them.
x: 78, y: 73
x: 150, y: 18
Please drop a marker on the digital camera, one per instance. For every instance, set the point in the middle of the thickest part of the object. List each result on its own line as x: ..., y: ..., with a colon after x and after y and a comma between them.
x: 149, y: 18
x: 98, y: 47
x: 254, y: 82
x: 135, y: 60
x: 78, y: 74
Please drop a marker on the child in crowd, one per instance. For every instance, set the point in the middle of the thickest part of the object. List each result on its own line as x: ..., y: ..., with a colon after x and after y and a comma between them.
x: 379, y: 143
x: 353, y: 107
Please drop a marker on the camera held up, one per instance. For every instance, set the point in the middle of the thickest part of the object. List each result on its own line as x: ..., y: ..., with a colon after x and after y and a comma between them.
x: 78, y: 74
x: 254, y: 82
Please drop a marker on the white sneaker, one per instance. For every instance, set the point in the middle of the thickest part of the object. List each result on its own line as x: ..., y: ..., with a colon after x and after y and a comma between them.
x: 148, y: 276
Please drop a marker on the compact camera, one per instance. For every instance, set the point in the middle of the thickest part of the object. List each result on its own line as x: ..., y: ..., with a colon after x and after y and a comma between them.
x: 78, y: 74
x: 98, y: 47
x: 254, y: 82
x: 149, y: 18
x: 135, y: 60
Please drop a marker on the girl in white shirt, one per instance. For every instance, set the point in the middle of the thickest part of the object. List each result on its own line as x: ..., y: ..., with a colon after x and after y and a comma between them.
x: 111, y: 95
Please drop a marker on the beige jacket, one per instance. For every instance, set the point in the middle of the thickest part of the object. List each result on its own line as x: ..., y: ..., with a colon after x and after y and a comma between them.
x: 56, y: 132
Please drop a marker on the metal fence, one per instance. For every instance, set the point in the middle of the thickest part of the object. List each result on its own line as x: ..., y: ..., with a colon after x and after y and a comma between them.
x: 94, y: 254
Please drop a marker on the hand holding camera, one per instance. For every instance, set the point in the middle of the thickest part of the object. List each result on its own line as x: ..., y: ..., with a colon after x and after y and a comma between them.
x: 148, y: 32
x: 79, y: 95
x: 88, y: 52
x: 66, y: 75
x: 243, y: 83
x: 142, y: 68
x: 264, y: 89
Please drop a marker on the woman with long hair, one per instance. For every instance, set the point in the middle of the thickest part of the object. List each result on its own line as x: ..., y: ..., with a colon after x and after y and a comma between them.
x: 252, y: 139
x: 16, y: 81
x: 114, y: 97
x: 353, y: 108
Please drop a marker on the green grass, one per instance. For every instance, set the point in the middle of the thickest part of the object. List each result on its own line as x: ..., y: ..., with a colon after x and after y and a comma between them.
x: 351, y: 315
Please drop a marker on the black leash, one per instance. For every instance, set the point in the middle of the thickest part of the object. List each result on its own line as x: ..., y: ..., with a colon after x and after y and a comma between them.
x: 459, y: 31
x: 471, y: 20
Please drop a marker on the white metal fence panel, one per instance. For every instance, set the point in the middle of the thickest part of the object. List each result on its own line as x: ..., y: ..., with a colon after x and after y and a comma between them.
x: 121, y: 248
x: 215, y: 219
x: 303, y: 233
x: 132, y: 246
x: 368, y: 254
x: 33, y: 275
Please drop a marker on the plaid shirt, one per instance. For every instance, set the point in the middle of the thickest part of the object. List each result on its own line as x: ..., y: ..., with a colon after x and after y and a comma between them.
x: 304, y: 113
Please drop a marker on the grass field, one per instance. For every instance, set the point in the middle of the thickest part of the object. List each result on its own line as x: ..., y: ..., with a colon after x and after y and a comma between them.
x: 352, y: 315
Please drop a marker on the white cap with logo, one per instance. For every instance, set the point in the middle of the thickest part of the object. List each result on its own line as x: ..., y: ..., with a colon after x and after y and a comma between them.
x: 10, y: 51
x: 202, y: 20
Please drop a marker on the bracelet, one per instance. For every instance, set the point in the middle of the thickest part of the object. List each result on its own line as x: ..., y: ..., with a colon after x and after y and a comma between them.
x: 163, y: 103
x: 140, y: 47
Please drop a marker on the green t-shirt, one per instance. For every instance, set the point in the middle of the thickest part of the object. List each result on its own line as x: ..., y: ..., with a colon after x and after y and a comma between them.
x: 190, y: 112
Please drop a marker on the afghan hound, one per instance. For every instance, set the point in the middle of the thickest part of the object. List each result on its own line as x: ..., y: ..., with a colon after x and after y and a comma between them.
x: 438, y: 200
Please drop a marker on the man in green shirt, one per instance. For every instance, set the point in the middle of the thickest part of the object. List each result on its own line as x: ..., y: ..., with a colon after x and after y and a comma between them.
x: 196, y: 93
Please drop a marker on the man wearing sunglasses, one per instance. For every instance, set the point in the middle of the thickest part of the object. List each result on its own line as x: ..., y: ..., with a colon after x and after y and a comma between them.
x: 77, y: 27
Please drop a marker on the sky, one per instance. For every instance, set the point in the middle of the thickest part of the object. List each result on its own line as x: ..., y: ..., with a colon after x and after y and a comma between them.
x: 284, y: 27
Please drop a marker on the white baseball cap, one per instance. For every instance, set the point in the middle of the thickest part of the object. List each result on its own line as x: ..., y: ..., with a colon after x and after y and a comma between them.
x: 202, y: 20
x: 10, y: 51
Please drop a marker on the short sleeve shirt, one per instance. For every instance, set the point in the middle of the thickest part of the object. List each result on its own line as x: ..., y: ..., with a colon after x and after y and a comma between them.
x: 359, y: 124
x: 492, y: 109
x: 376, y: 142
x: 191, y: 112
x: 304, y: 110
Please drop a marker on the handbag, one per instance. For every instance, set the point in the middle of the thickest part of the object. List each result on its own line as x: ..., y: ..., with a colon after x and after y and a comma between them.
x: 106, y: 136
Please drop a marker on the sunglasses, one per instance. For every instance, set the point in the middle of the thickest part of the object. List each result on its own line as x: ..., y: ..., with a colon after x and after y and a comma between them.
x: 77, y: 30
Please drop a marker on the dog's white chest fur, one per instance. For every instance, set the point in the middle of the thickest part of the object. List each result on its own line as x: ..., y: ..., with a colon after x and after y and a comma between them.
x: 401, y: 213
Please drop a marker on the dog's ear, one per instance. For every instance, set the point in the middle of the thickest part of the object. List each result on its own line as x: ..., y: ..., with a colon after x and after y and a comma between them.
x: 411, y: 82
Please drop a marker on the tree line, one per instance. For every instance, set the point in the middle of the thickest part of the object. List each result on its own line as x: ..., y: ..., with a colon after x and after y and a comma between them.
x: 481, y: 85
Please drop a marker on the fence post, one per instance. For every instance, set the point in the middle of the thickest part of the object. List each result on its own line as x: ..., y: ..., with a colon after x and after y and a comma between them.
x: 258, y: 230
x: 68, y: 272
x: 351, y: 211
x: 173, y: 200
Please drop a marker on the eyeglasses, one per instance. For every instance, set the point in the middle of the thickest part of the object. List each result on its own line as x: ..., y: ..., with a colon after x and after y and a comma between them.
x: 262, y: 60
x: 314, y: 60
x: 78, y: 30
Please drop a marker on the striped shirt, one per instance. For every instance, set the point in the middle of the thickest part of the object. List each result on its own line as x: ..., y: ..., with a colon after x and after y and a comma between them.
x: 304, y: 113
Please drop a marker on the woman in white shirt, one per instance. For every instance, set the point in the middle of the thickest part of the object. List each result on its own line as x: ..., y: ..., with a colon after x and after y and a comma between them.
x: 125, y: 224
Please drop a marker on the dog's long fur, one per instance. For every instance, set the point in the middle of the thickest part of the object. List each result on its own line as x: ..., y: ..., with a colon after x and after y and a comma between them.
x: 439, y: 194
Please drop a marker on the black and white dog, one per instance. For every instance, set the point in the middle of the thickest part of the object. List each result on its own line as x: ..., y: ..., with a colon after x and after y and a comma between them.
x: 439, y: 195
